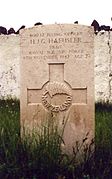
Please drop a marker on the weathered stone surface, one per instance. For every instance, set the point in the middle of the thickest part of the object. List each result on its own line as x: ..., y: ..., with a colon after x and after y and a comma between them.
x: 103, y: 66
x: 9, y: 66
x: 57, y: 76
x: 9, y: 56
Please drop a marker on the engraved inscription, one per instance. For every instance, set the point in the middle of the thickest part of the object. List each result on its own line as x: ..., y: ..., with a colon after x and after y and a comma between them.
x: 55, y: 46
x: 56, y: 88
x: 55, y: 40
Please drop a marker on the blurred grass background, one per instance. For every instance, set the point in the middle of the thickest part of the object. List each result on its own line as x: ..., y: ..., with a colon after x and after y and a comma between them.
x: 43, y: 158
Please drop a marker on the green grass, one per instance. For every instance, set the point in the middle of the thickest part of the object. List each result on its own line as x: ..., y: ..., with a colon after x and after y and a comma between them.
x: 41, y: 157
x: 103, y: 155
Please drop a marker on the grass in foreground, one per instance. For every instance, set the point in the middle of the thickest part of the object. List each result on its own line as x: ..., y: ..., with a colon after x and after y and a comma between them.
x: 42, y: 157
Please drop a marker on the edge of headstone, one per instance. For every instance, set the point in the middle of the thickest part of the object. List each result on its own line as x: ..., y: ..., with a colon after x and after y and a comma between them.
x: 42, y: 26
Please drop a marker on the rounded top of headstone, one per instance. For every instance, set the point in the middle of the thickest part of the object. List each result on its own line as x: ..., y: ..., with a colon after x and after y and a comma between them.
x: 55, y: 26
